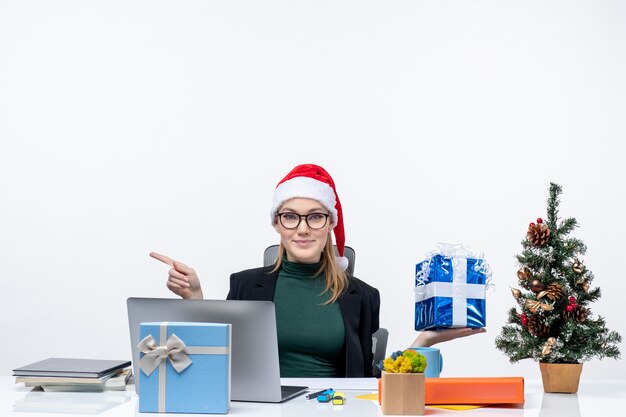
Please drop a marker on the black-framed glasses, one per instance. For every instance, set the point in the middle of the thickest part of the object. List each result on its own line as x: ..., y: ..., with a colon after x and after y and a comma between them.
x: 291, y: 220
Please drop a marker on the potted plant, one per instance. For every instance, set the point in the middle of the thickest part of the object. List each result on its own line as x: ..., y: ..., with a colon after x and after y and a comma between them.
x: 554, y: 324
x: 402, y: 383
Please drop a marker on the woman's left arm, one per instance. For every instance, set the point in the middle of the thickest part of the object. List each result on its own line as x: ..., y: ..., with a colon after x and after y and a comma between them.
x: 429, y: 338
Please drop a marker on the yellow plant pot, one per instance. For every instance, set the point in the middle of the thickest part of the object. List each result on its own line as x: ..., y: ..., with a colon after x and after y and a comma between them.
x: 402, y: 393
x: 560, y: 377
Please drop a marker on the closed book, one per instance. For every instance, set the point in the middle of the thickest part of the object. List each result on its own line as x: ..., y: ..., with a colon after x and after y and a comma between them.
x: 117, y: 382
x: 467, y: 391
x: 489, y: 390
x: 71, y: 367
x: 44, y: 380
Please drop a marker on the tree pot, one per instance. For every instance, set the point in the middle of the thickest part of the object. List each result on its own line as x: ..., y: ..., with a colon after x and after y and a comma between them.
x: 560, y: 377
x: 403, y: 394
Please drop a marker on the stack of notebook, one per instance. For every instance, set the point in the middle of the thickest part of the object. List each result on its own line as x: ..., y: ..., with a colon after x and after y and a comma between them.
x: 67, y: 374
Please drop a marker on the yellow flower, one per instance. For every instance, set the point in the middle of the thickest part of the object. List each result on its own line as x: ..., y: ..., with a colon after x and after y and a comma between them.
x: 408, y: 361
x: 404, y: 365
x: 390, y: 365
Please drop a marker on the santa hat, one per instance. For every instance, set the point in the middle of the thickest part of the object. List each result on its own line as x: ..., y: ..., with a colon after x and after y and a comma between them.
x: 312, y: 181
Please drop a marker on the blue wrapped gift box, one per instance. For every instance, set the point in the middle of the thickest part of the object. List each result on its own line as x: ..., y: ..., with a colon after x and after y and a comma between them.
x: 185, y: 367
x: 450, y: 292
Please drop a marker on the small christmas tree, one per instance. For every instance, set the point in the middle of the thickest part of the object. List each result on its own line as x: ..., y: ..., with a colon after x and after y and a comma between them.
x: 554, y: 323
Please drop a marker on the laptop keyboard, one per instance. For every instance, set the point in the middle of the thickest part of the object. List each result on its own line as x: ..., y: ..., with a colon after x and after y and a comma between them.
x: 288, y: 390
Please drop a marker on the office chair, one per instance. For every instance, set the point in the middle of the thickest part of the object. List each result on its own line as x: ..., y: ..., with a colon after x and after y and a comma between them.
x: 379, y: 348
x: 379, y: 338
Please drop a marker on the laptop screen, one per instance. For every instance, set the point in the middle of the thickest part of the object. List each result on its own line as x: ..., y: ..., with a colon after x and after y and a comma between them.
x: 254, y: 357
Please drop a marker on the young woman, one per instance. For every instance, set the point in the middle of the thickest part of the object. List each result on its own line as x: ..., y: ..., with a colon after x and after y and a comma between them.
x: 325, y: 319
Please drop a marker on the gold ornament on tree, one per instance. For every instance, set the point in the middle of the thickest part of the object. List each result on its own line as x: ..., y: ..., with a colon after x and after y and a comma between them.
x: 537, y: 286
x: 523, y: 274
x: 538, y: 233
x: 585, y: 286
x: 584, y: 283
x: 547, y: 347
x: 535, y: 306
x: 516, y: 293
x: 578, y: 267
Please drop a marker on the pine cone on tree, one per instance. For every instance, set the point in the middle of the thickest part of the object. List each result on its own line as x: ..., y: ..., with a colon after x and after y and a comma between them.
x: 538, y: 234
x: 578, y: 313
x: 537, y: 327
x: 553, y: 291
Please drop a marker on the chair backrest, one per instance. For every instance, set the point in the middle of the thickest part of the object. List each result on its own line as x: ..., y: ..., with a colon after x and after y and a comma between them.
x: 379, y: 348
x: 271, y: 253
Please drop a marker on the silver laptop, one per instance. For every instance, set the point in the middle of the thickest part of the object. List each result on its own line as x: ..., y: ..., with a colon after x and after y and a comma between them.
x: 255, y: 369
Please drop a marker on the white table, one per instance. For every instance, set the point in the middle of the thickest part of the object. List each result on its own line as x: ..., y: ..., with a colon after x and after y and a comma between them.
x: 594, y: 398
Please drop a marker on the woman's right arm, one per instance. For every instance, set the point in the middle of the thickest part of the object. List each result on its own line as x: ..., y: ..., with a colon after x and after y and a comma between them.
x: 181, y: 280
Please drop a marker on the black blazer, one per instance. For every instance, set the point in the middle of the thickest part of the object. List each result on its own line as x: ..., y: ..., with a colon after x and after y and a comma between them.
x: 359, y: 304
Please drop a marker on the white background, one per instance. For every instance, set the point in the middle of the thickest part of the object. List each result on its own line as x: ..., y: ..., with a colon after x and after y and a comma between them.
x: 133, y: 126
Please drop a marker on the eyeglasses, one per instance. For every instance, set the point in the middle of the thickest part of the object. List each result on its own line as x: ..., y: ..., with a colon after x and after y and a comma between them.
x: 292, y: 220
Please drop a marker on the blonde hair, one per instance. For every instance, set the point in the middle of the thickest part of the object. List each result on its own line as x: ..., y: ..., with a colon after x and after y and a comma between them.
x: 336, y: 278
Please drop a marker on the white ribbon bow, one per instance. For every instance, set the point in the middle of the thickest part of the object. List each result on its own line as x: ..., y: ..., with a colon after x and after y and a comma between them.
x: 174, y: 349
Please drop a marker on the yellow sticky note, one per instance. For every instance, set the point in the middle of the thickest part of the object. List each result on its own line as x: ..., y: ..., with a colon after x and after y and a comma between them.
x: 456, y: 407
x: 373, y: 396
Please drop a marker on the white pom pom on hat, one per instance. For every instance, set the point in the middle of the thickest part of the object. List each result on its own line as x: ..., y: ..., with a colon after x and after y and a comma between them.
x: 312, y: 181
